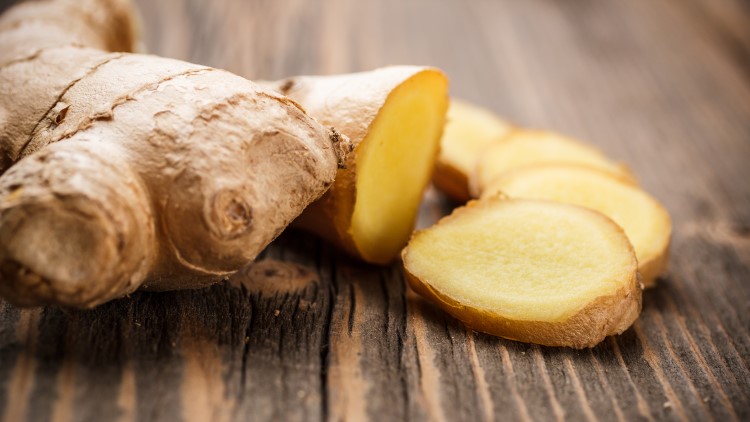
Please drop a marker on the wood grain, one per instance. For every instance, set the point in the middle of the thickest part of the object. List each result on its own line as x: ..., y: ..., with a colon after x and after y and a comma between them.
x: 308, y: 334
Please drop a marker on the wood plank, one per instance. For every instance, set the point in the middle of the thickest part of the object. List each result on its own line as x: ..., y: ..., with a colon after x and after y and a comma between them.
x: 308, y: 334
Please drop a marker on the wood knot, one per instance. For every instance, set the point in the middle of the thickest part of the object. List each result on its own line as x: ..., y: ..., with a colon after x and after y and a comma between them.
x: 269, y: 277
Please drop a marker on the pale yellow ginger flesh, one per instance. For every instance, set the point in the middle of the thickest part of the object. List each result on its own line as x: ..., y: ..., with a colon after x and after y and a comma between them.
x: 394, y: 164
x: 469, y: 129
x: 533, y: 271
x: 645, y: 221
x: 394, y: 117
x: 526, y: 147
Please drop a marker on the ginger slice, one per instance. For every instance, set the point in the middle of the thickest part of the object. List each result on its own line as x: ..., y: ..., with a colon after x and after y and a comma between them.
x: 534, y: 271
x: 644, y: 220
x: 468, y: 131
x: 525, y: 147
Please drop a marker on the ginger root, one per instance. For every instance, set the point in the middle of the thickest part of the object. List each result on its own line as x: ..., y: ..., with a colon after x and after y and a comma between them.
x: 644, y: 220
x: 124, y: 171
x: 534, y: 271
x: 394, y: 117
x: 469, y: 129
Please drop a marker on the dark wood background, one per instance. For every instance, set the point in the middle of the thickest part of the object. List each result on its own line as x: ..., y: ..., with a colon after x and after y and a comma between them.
x: 308, y: 334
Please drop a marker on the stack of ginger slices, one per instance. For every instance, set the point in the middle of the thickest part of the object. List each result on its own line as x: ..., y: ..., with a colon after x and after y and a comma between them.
x: 556, y: 249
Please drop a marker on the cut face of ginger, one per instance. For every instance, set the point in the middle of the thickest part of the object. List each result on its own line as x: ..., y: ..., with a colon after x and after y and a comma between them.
x: 468, y: 130
x: 534, y: 271
x: 644, y: 220
x: 394, y: 164
x: 394, y: 117
x: 526, y: 147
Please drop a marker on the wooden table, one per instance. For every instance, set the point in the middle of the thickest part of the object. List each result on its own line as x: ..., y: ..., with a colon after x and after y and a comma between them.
x: 308, y: 334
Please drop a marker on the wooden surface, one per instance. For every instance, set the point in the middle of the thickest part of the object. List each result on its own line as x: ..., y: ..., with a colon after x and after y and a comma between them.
x: 663, y: 85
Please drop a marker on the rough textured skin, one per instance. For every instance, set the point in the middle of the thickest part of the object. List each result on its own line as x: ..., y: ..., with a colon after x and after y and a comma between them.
x: 30, y: 27
x: 602, y: 317
x: 350, y: 103
x: 44, y: 76
x: 176, y: 177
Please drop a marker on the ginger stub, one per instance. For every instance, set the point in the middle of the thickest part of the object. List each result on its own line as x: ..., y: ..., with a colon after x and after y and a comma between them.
x: 394, y: 117
x: 644, y: 220
x: 534, y: 271
x: 469, y: 129
x: 525, y: 147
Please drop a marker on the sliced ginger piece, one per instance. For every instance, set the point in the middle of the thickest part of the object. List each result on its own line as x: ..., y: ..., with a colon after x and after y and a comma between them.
x: 534, y: 271
x: 394, y: 116
x: 644, y: 220
x: 525, y: 147
x: 468, y: 131
x: 394, y: 165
